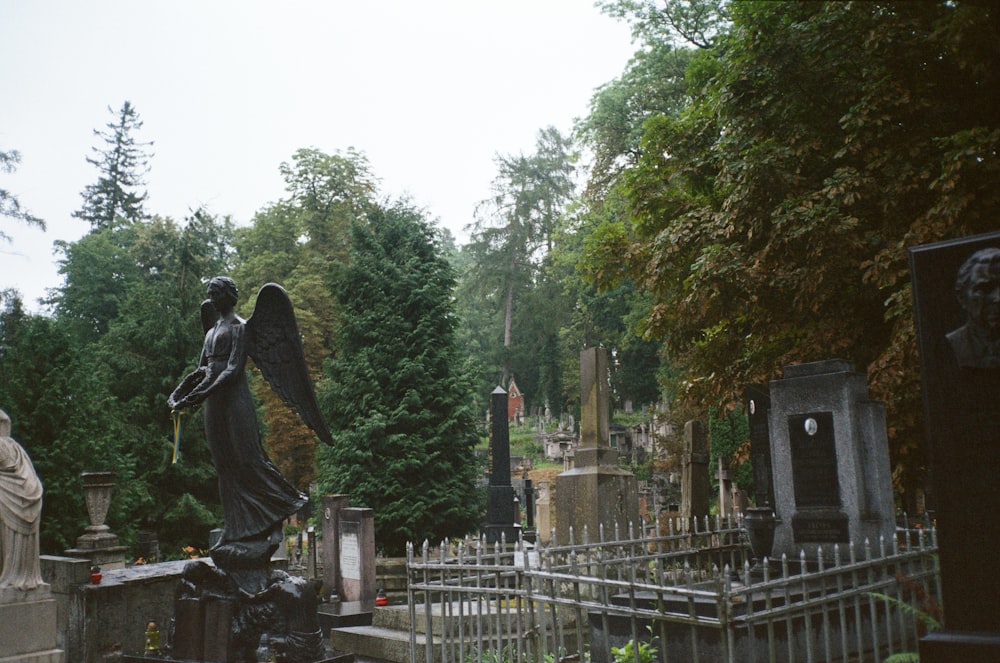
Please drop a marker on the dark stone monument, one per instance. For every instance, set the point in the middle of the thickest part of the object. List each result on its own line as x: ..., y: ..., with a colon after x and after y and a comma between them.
x: 830, y: 460
x: 500, y: 525
x: 223, y: 613
x: 759, y: 519
x: 596, y: 491
x: 956, y: 287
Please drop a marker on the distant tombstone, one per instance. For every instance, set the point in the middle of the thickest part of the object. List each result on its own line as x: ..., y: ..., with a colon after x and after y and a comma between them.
x: 956, y: 286
x: 830, y: 459
x: 727, y: 507
x: 695, y: 486
x: 543, y: 512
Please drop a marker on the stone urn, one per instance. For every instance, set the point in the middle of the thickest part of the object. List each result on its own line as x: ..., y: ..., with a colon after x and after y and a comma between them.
x: 97, y: 489
x: 760, y: 522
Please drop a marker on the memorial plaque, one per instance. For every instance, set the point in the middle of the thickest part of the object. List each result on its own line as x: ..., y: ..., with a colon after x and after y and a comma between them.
x: 820, y: 527
x: 814, y: 460
x: 350, y: 551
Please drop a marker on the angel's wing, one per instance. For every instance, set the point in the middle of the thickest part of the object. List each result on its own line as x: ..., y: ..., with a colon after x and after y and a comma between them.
x: 272, y: 341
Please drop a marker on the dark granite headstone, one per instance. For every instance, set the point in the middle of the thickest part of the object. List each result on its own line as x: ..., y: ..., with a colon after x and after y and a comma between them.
x: 956, y: 286
x: 757, y: 401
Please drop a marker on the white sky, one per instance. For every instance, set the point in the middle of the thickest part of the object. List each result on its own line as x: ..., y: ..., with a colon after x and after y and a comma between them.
x: 429, y: 90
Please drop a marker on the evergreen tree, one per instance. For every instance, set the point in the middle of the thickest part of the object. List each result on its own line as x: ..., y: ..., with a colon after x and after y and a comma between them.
x: 63, y: 415
x: 115, y: 199
x: 402, y: 426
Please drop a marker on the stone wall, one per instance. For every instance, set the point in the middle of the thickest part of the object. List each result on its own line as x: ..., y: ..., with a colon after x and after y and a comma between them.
x: 99, y: 623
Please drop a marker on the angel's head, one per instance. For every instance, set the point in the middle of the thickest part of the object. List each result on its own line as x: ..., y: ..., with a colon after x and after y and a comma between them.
x: 222, y: 289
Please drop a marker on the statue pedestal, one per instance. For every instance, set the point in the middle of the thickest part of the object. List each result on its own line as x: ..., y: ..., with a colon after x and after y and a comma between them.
x: 100, y: 546
x: 28, y: 626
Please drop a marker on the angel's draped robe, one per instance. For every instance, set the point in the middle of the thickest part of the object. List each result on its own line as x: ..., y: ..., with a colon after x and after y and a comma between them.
x: 255, y: 496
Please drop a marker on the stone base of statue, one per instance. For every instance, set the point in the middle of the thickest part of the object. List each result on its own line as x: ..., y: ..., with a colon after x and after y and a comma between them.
x: 240, y: 609
x: 28, y: 626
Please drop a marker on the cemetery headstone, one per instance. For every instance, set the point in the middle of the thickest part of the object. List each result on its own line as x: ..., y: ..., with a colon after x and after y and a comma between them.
x: 695, y: 485
x: 595, y: 491
x: 357, y: 555
x: 956, y: 287
x: 759, y: 519
x: 830, y: 459
x: 543, y: 509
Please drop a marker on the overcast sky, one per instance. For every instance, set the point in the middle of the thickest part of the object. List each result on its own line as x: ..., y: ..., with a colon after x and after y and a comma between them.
x: 429, y: 90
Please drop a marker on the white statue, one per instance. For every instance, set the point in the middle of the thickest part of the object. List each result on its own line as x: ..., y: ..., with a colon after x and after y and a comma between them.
x: 20, y: 514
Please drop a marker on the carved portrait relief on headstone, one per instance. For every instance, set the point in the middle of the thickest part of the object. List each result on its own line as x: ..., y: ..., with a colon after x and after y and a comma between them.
x: 956, y: 287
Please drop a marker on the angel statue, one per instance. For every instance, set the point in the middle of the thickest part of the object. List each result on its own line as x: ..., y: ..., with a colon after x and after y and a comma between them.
x: 256, y: 498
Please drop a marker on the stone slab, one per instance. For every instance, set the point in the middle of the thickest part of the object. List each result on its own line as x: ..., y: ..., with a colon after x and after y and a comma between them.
x: 51, y: 656
x: 382, y: 643
x: 28, y: 626
x: 346, y: 613
x: 341, y: 657
x: 967, y: 647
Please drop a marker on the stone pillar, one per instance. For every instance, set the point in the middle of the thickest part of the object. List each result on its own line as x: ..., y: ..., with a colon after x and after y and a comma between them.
x: 695, y: 486
x: 332, y: 505
x: 596, y: 491
x: 830, y: 458
x: 500, y: 523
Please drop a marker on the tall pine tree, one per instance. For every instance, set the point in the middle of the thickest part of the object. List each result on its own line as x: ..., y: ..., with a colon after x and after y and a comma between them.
x: 403, y: 426
x: 115, y: 198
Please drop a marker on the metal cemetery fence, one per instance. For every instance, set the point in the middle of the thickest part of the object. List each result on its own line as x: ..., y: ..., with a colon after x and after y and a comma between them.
x: 694, y: 594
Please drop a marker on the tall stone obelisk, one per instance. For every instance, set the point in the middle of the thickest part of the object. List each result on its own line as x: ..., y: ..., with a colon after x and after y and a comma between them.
x: 596, y: 491
x: 500, y: 516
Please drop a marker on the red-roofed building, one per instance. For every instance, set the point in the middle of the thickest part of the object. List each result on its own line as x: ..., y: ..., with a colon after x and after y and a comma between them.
x: 515, y: 401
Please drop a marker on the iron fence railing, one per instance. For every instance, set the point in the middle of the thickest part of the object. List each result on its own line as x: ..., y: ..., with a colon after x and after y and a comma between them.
x: 692, y: 593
